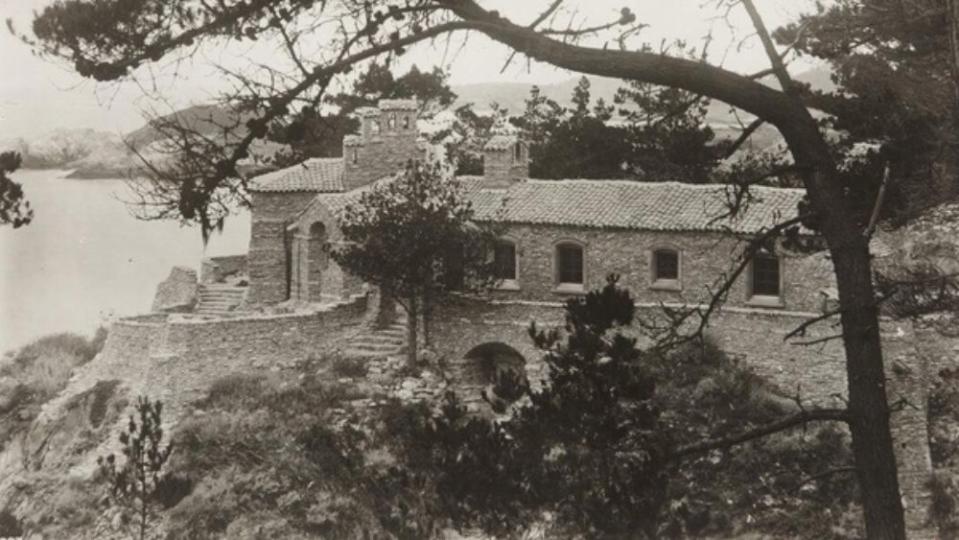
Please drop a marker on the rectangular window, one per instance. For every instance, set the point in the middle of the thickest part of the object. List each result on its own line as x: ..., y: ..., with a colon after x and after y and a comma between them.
x: 504, y: 261
x: 765, y: 275
x: 570, y: 260
x: 666, y: 264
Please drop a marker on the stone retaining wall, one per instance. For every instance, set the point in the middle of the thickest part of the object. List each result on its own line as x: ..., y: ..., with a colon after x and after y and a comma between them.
x: 913, y: 353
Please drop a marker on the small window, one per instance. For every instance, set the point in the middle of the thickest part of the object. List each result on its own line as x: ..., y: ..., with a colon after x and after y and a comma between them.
x: 569, y: 262
x: 392, y: 122
x: 375, y: 127
x: 355, y: 155
x: 665, y: 265
x: 504, y: 261
x: 406, y: 121
x: 765, y: 275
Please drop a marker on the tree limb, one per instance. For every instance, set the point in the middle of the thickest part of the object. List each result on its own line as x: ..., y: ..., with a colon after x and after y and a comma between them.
x: 744, y: 136
x: 798, y: 419
x: 779, y: 67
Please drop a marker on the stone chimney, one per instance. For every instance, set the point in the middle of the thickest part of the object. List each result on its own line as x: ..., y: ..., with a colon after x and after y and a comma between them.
x: 386, y: 141
x: 505, y: 161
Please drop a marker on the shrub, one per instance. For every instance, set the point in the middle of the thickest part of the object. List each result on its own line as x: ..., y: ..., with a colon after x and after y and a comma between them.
x: 234, y: 391
x: 943, y: 415
x: 171, y: 489
x: 349, y: 367
x: 9, y: 525
x: 942, y: 507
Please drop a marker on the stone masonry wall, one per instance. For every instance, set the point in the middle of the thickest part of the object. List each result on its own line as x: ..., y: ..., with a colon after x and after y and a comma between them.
x: 703, y: 257
x: 176, y: 357
x: 755, y: 337
x: 267, y: 255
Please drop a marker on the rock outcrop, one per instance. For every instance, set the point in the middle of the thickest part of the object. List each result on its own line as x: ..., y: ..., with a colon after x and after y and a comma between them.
x: 178, y: 293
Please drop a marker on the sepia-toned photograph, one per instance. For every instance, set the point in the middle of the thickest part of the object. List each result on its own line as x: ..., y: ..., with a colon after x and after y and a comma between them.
x: 479, y: 269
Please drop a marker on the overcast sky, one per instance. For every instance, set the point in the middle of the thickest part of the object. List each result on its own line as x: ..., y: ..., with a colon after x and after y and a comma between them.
x: 37, y: 96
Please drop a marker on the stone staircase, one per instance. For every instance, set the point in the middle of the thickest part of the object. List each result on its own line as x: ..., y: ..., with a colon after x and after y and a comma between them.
x: 379, y: 342
x: 219, y: 298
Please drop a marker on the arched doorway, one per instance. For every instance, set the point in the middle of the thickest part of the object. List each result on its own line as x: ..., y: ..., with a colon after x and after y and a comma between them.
x: 317, y: 258
x: 499, y: 368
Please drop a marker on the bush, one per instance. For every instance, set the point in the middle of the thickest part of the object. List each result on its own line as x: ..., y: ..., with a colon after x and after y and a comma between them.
x: 9, y: 525
x: 171, y: 489
x: 349, y: 367
x: 942, y: 508
x: 943, y: 415
x: 234, y: 391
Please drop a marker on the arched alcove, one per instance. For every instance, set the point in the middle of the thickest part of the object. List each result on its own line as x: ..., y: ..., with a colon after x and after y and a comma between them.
x: 489, y: 364
x: 317, y: 257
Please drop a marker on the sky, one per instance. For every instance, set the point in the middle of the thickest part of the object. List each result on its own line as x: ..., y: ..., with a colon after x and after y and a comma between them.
x: 38, y: 96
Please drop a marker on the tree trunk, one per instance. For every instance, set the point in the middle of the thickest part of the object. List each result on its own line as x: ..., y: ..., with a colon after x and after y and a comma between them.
x: 412, y: 316
x: 952, y: 19
x: 872, y: 442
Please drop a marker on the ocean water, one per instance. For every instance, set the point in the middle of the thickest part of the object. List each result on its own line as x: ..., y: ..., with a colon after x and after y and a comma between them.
x: 85, y: 259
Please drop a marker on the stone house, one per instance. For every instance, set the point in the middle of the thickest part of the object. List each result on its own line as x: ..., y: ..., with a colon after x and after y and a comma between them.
x: 666, y: 240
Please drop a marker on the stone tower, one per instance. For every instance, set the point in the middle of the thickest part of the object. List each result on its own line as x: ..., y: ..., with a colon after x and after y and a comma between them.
x: 386, y: 141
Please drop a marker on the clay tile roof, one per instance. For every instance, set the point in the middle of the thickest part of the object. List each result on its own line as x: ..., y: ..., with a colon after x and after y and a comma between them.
x: 499, y: 142
x: 616, y: 204
x: 322, y: 175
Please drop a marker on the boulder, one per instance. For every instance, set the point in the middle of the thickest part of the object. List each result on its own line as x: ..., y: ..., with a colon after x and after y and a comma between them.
x: 178, y: 292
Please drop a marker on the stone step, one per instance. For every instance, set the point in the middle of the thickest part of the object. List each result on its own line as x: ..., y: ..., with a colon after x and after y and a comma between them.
x: 374, y: 349
x: 220, y: 300
x: 362, y: 355
x: 380, y: 338
x: 220, y: 294
x: 221, y: 286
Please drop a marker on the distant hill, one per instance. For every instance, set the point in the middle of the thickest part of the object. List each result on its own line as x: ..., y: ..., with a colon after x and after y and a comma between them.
x: 206, y: 119
x: 96, y: 154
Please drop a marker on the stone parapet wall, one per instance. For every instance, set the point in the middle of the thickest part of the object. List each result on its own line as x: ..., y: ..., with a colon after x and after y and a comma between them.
x: 176, y: 357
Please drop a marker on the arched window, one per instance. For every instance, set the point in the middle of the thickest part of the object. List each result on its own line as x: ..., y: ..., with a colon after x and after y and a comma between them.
x: 392, y: 122
x: 406, y: 121
x: 375, y: 127
x: 570, y: 270
x: 765, y: 276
